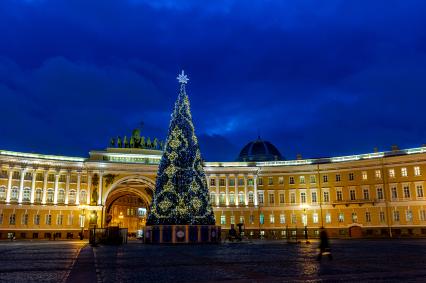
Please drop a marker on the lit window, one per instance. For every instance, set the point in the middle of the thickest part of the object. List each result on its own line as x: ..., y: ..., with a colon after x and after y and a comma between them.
x: 222, y: 198
x: 232, y: 182
x: 271, y: 198
x: 291, y: 180
x: 328, y: 218
x: 282, y: 218
x: 406, y: 192
x: 364, y: 175
x: 382, y: 216
x: 366, y: 194
x: 422, y: 215
x: 315, y: 218
x: 293, y: 218
x: 417, y: 171
x: 231, y: 198
x: 292, y: 198
x: 396, y: 215
x: 251, y: 219
x: 250, y: 196
x: 326, y: 197
x: 241, y: 198
x: 270, y: 181
x: 314, y: 197
x: 368, y: 217
x: 14, y: 194
x: 354, y: 217
x: 71, y: 197
x: 242, y: 219
x: 232, y: 219
x: 59, y: 219
x: 262, y: 218
x: 302, y: 179
x: 260, y: 196
x: 37, y: 219
x: 70, y: 219
x: 282, y: 198
x: 2, y: 193
x: 222, y: 219
x: 391, y: 173
x: 271, y: 218
x: 419, y: 191
x: 394, y: 193
x: 61, y: 196
x: 250, y: 182
x: 281, y: 180
x: 212, y: 198
x: 404, y: 172
x: 240, y: 182
x: 26, y: 194
x: 339, y: 195
x: 341, y: 217
x: 313, y: 179
x: 83, y: 197
x: 50, y: 195
x: 302, y: 197
x: 378, y: 174
x: 409, y: 215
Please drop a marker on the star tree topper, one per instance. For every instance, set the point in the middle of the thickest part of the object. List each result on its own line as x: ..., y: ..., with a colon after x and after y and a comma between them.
x: 182, y: 78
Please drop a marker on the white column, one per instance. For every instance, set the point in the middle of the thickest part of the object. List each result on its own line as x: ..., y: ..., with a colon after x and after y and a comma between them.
x: 89, y: 186
x: 33, y: 183
x: 67, y: 188
x: 217, y: 191
x: 255, y: 190
x: 227, y: 190
x: 245, y: 190
x: 77, y: 197
x: 46, y: 174
x: 21, y: 185
x: 9, y: 185
x: 55, y: 196
x: 100, y: 188
x: 237, y: 196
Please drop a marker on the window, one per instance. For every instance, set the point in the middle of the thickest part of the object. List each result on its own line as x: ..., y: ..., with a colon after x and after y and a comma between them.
x: 422, y: 215
x: 378, y: 174
x: 223, y: 219
x: 282, y: 200
x: 222, y: 198
x: 368, y: 217
x: 213, y: 182
x: 352, y: 194
x: 14, y: 194
x: 404, y: 172
x: 339, y: 195
x: 382, y: 216
x: 302, y: 197
x: 328, y: 218
x: 12, y: 219
x: 251, y: 219
x: 24, y: 219
x: 50, y: 194
x: 26, y: 195
x: 232, y: 219
x: 302, y: 179
x: 337, y: 177
x: 70, y: 219
x: 396, y: 216
x: 222, y: 182
x: 250, y: 182
x: 250, y: 196
x: 417, y: 171
x: 313, y: 179
x: 364, y: 175
x: 351, y: 176
x: 314, y: 197
x: 39, y: 177
x: 16, y: 175
x: 1, y: 218
x: 341, y: 217
x: 37, y: 219
x: 270, y: 181
x: 260, y: 181
x: 291, y: 180
x: 304, y: 220
x: 391, y: 173
x: 262, y: 218
x: 379, y: 193
x: 240, y: 182
x: 61, y: 196
x: 212, y: 198
x: 366, y: 194
x: 48, y: 219
x: 409, y: 215
x: 282, y: 218
x: 354, y: 217
x: 231, y: 198
x: 315, y: 218
x: 325, y: 179
x: 271, y: 198
x: 293, y: 219
x: 292, y: 197
x: 83, y: 197
x: 271, y: 218
x: 2, y: 193
x: 241, y: 198
x: 280, y: 180
x: 394, y: 193
x: 326, y: 197
x: 51, y: 178
x: 260, y: 196
x: 406, y: 192
x: 232, y: 182
x: 419, y: 189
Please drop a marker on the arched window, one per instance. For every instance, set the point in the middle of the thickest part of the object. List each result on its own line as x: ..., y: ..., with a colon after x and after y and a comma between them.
x: 222, y: 198
x: 71, y: 197
x: 241, y: 198
x: 50, y: 194
x: 26, y: 196
x: 83, y: 197
x: 38, y: 195
x: 2, y: 193
x: 14, y: 194
x: 61, y: 196
x: 231, y: 198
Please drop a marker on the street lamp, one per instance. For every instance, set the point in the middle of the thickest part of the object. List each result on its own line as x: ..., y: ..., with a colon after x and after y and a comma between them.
x: 305, y: 208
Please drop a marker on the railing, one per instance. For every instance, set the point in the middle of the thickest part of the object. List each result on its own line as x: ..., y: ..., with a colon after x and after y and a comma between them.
x: 360, y: 202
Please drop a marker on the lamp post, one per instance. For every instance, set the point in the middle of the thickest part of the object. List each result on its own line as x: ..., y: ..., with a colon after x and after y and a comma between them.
x: 305, y: 208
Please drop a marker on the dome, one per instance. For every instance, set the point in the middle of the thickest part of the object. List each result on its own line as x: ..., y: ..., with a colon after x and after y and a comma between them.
x: 259, y: 150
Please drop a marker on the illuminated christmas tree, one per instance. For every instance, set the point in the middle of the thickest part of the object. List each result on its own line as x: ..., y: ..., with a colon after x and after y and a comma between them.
x: 181, y: 193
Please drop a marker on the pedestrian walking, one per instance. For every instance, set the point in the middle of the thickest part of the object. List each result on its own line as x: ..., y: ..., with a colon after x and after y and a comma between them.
x: 324, y: 245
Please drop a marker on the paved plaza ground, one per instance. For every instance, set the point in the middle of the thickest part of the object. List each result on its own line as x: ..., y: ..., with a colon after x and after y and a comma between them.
x: 257, y: 261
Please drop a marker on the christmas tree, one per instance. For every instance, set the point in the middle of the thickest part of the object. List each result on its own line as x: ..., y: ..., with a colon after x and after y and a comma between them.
x: 181, y: 194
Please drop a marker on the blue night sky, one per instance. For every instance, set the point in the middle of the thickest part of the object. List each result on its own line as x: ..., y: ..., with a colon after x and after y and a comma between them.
x: 320, y: 78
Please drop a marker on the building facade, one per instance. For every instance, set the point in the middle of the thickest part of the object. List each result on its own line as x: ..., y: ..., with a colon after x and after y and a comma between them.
x: 380, y: 194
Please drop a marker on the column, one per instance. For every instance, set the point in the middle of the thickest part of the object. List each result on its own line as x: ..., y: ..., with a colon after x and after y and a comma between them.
x: 55, y: 196
x: 21, y: 185
x: 77, y: 197
x: 46, y: 174
x: 227, y: 190
x: 255, y: 189
x: 9, y: 185
x: 33, y: 183
x: 67, y: 187
x: 245, y: 190
x: 217, y: 191
x: 89, y: 185
x: 100, y: 188
x: 237, y: 196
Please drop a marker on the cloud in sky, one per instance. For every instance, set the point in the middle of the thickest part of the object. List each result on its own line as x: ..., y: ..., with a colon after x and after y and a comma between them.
x: 317, y: 78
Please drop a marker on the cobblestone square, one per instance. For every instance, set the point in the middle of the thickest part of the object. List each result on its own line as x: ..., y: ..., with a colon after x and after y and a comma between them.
x: 257, y: 261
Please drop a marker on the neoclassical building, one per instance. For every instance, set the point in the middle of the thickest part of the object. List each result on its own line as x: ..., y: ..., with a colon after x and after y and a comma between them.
x: 378, y: 194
